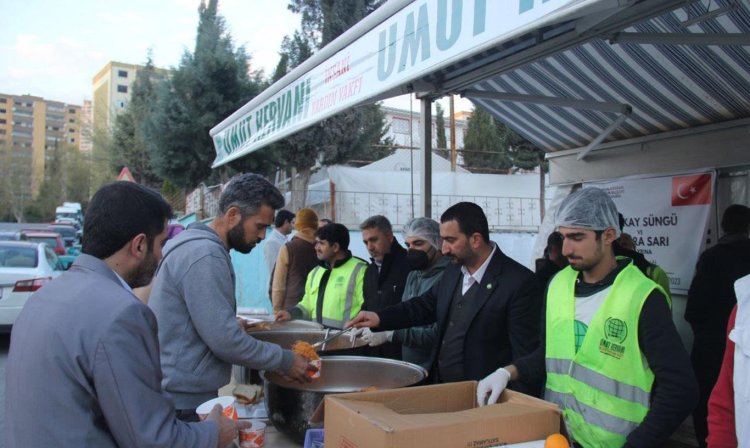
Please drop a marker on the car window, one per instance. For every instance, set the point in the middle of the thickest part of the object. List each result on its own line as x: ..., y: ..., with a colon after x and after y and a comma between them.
x: 52, y: 259
x: 18, y: 257
x: 51, y: 242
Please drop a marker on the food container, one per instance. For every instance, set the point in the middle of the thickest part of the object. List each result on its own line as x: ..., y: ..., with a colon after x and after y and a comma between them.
x: 290, y: 405
x: 253, y: 436
x: 227, y: 404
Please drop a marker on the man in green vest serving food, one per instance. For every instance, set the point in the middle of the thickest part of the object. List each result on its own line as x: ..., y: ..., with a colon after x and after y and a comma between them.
x: 613, y: 359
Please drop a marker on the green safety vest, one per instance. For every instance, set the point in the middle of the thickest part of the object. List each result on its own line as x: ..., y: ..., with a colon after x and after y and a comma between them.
x: 343, y: 297
x: 604, y: 390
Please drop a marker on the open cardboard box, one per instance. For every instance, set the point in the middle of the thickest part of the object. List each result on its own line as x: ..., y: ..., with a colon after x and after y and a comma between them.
x: 444, y: 415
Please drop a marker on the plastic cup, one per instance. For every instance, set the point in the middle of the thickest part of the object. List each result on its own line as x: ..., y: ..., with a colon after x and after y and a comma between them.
x: 315, y: 373
x: 253, y: 436
x: 227, y: 403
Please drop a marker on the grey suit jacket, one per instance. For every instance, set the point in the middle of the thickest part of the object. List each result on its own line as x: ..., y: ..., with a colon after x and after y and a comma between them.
x: 83, y: 369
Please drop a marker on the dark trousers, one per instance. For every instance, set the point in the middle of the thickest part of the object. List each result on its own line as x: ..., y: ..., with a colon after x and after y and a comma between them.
x: 187, y: 415
x: 706, y: 357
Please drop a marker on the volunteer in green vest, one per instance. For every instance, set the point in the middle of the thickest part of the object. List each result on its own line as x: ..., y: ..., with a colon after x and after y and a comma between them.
x: 613, y: 359
x: 333, y: 290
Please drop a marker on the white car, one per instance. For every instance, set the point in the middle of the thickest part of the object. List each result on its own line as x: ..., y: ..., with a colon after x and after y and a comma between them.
x: 24, y: 268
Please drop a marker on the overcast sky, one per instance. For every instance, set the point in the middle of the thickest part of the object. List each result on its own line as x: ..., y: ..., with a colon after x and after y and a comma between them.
x: 53, y: 49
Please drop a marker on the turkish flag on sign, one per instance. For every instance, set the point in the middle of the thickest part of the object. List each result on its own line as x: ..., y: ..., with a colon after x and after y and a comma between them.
x: 691, y: 190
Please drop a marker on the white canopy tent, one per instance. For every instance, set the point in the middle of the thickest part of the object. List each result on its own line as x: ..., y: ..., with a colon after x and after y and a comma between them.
x: 608, y: 88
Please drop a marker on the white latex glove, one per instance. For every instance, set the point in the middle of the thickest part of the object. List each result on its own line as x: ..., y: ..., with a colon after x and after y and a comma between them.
x: 493, y: 385
x: 375, y: 338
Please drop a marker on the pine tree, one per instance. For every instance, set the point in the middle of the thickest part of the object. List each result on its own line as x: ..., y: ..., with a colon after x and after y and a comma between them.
x: 128, y: 144
x: 346, y: 136
x: 484, y: 148
x: 442, y: 143
x: 207, y: 86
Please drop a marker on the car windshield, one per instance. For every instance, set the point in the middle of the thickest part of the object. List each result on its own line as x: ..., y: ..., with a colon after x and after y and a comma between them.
x: 69, y: 232
x: 18, y: 257
x: 51, y: 242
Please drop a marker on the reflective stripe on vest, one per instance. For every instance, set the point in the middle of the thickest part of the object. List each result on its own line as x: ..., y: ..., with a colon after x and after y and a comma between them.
x: 349, y: 300
x: 604, y: 389
x: 598, y: 381
x: 592, y: 415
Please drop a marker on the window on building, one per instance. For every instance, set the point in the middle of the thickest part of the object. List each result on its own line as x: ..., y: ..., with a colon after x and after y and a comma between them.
x: 71, y: 120
x: 122, y: 89
x: 71, y: 130
x: 71, y: 111
x: 2, y: 111
x: 400, y: 126
x: 71, y: 140
x: 3, y: 100
x: 122, y: 73
x: 3, y: 121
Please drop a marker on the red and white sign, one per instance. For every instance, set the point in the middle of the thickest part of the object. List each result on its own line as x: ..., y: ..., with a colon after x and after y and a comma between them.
x: 692, y: 190
x: 667, y: 216
x: 125, y: 175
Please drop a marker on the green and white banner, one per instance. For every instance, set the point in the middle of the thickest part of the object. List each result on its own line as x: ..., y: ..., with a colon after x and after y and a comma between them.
x: 424, y: 36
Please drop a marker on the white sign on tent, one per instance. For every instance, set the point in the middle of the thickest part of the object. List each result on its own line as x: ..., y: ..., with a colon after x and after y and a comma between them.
x: 420, y: 38
x: 667, y: 216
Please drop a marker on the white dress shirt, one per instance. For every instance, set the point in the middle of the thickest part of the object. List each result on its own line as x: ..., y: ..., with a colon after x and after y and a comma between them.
x: 476, y: 277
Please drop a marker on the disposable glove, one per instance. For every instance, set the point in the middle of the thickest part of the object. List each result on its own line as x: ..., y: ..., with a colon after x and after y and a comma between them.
x: 375, y: 338
x: 493, y: 385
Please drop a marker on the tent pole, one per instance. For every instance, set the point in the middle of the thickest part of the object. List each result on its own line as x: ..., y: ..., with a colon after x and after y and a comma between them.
x: 425, y: 143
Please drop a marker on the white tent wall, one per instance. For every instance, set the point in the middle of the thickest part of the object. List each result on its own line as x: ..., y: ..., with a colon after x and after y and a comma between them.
x: 511, y: 202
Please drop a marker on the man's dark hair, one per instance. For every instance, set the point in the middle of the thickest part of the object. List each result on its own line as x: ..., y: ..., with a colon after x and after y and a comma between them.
x: 282, y: 217
x: 249, y: 192
x: 379, y: 222
x: 470, y: 218
x: 334, y: 233
x: 736, y: 219
x: 555, y: 239
x: 117, y: 213
x: 621, y: 220
x: 325, y: 221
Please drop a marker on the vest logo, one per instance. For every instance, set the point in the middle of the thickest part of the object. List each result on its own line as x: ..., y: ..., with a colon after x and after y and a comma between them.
x: 615, y: 333
x: 339, y: 282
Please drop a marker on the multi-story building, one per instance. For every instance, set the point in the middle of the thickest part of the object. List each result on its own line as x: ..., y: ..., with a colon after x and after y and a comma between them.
x: 112, y: 89
x: 404, y: 130
x: 31, y: 128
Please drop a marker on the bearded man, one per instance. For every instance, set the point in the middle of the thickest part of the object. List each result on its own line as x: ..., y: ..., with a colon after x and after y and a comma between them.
x: 194, y: 301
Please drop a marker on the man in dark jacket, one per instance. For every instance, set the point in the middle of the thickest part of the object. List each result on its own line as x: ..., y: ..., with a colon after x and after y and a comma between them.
x: 487, y: 306
x: 385, y: 276
x: 710, y: 301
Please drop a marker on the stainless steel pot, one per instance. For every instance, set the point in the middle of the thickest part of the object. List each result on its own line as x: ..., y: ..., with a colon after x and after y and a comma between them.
x: 290, y: 405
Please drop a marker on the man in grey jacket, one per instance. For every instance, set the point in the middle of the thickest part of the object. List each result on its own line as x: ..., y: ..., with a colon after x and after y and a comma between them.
x: 83, y: 368
x: 194, y: 301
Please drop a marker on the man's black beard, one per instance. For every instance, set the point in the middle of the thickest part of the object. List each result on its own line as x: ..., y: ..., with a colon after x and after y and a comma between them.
x: 236, y: 238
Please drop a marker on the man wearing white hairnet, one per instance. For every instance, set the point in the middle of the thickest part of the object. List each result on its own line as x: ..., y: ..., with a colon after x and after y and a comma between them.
x: 422, y: 238
x: 613, y: 360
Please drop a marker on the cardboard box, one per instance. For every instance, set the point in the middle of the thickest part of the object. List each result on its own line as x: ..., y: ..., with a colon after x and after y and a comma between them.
x: 444, y: 415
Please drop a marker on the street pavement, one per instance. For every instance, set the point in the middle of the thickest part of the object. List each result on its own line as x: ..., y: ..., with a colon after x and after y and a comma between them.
x: 4, y: 344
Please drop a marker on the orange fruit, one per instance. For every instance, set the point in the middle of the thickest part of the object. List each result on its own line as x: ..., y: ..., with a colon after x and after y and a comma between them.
x: 556, y: 441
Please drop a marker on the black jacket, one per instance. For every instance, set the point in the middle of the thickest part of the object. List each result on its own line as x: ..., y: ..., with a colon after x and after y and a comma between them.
x: 506, y: 318
x: 385, y: 288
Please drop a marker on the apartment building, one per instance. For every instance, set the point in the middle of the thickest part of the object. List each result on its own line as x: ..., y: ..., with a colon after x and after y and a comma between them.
x: 112, y: 88
x: 30, y: 129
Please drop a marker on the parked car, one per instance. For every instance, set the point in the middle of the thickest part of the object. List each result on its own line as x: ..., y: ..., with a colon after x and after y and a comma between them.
x: 52, y: 239
x: 11, y: 235
x: 68, y: 233
x: 24, y: 268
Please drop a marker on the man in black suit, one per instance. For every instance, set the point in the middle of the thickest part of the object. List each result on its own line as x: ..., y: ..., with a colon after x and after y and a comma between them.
x: 487, y: 306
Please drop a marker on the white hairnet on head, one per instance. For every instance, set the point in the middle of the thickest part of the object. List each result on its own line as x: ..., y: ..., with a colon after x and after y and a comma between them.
x: 588, y: 208
x: 425, y: 228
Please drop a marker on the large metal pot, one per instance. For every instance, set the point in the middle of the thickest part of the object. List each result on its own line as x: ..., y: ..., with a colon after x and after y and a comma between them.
x: 290, y: 405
